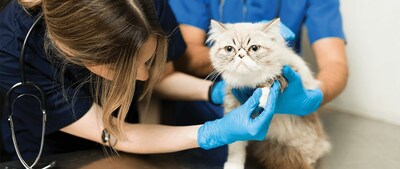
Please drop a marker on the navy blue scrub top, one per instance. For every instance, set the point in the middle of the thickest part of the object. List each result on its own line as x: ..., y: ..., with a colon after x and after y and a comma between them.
x: 61, y: 111
x: 322, y: 17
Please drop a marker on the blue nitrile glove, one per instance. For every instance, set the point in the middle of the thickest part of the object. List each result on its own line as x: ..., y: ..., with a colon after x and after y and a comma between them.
x: 286, y: 33
x: 238, y: 125
x: 216, y: 93
x: 295, y: 99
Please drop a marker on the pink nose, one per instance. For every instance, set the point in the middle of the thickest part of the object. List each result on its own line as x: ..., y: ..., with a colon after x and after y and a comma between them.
x: 241, y: 53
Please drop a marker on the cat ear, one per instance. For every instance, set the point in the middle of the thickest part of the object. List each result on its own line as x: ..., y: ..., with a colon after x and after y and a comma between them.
x: 273, y: 26
x: 216, y: 26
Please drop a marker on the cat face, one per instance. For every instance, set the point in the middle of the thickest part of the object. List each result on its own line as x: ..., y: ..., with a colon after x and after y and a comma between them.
x: 246, y: 54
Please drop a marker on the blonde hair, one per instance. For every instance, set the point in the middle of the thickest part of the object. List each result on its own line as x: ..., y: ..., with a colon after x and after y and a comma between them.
x: 107, y: 32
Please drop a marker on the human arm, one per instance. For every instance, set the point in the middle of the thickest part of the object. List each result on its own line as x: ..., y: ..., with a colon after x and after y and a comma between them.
x: 333, y: 73
x: 194, y: 19
x: 143, y: 138
x: 196, y: 58
x: 324, y: 24
x: 332, y: 64
x: 180, y: 86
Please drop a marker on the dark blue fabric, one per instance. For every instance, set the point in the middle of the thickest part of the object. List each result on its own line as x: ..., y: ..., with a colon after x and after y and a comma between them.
x: 14, y: 24
x: 176, y: 44
x: 322, y: 18
x: 44, y: 70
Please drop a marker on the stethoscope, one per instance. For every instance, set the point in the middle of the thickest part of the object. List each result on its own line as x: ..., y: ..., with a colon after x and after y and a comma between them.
x: 9, y: 101
x: 244, y: 9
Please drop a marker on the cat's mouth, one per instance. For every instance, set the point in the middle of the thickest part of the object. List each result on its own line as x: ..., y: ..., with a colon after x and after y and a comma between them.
x: 243, y: 65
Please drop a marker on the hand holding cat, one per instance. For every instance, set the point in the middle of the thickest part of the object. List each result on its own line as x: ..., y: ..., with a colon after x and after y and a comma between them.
x: 216, y: 93
x: 238, y: 125
x: 295, y: 99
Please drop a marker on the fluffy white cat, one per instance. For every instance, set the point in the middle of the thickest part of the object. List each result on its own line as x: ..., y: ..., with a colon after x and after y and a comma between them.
x: 253, y: 55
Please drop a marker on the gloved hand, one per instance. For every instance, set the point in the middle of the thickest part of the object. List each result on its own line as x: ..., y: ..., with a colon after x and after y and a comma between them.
x: 238, y: 125
x: 295, y: 99
x: 216, y: 93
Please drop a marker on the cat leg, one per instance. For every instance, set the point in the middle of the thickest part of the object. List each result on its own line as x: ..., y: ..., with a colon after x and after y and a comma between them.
x: 236, y: 155
x: 237, y: 150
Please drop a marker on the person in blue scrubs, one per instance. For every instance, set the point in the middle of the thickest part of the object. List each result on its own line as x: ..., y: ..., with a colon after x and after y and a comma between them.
x: 116, y: 52
x: 321, y: 17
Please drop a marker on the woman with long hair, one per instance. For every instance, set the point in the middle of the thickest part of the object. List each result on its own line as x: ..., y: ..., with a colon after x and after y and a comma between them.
x: 94, y: 59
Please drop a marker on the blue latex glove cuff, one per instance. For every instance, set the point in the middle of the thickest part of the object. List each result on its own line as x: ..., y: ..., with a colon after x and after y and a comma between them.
x: 216, y: 93
x: 208, y: 140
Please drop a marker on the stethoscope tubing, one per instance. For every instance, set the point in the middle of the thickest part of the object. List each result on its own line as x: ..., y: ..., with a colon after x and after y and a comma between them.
x: 41, y: 99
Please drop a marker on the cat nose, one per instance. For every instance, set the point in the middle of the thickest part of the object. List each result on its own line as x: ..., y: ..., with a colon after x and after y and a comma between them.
x: 241, y: 53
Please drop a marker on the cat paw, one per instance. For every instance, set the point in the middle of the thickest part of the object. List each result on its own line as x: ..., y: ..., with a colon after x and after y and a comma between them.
x: 231, y: 165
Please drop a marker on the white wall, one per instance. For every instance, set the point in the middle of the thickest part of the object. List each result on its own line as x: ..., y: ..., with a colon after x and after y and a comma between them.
x: 372, y: 31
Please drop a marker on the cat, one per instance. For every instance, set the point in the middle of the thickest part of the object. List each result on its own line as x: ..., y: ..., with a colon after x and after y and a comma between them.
x: 253, y: 55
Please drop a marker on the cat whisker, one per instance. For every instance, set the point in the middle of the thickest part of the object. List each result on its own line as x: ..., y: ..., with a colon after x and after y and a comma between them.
x: 220, y: 72
x: 211, y: 75
x: 215, y: 74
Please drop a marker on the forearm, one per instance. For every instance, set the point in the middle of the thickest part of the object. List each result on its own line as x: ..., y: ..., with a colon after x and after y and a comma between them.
x: 195, y: 61
x: 332, y: 64
x: 142, y: 138
x: 333, y: 81
x: 332, y: 84
x: 180, y: 86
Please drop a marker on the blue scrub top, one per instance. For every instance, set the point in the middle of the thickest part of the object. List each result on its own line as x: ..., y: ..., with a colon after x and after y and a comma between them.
x: 44, y: 70
x: 321, y: 17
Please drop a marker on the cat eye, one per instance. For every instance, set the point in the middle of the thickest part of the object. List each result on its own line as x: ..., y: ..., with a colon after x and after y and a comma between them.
x: 229, y: 49
x: 254, y: 48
